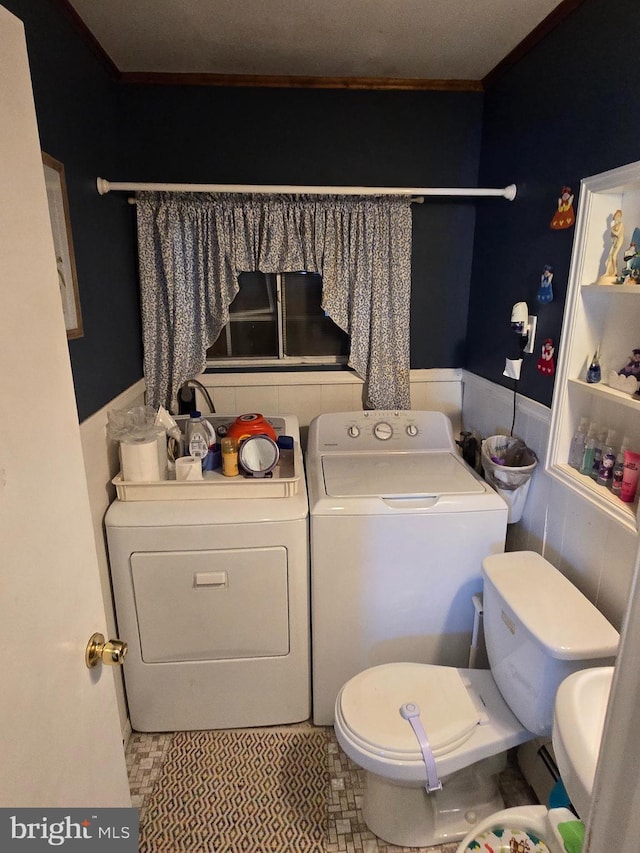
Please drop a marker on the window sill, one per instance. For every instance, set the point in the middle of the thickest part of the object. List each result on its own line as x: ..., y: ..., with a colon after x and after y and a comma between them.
x: 235, y: 377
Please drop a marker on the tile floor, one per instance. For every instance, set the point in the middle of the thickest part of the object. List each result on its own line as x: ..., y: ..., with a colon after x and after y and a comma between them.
x: 346, y: 830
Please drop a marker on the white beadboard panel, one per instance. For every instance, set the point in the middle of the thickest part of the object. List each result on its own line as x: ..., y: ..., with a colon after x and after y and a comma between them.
x: 307, y: 394
x: 340, y: 398
x: 305, y: 401
x: 556, y: 515
x: 441, y: 395
x: 224, y: 400
x: 487, y: 409
x: 257, y: 398
x: 615, y: 584
x: 583, y: 545
x: 536, y: 510
x: 101, y: 464
x: 536, y: 435
x: 592, y: 550
x: 518, y: 538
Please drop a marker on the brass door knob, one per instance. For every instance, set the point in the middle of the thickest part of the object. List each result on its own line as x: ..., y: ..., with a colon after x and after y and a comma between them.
x: 111, y: 652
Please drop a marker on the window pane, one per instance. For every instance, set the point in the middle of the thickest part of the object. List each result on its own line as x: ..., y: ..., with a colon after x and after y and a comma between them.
x: 256, y: 296
x: 307, y: 329
x: 253, y: 329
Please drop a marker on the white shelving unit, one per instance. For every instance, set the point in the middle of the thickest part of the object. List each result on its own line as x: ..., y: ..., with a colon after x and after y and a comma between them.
x: 604, y: 315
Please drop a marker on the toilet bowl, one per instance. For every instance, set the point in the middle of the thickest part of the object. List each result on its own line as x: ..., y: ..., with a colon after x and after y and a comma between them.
x: 431, y: 773
x: 470, y: 728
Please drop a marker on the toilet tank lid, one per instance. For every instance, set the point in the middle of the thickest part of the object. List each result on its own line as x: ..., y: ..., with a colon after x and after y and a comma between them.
x: 550, y: 607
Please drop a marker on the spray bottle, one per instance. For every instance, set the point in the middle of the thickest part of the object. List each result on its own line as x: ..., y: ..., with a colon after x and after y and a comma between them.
x: 601, y: 437
x: 576, y: 451
x: 616, y: 478
x: 589, y: 450
x: 608, y: 460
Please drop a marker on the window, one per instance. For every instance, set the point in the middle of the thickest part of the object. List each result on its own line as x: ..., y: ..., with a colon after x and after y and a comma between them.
x: 276, y: 318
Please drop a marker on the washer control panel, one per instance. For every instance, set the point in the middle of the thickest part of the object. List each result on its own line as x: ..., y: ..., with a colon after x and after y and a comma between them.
x: 380, y: 431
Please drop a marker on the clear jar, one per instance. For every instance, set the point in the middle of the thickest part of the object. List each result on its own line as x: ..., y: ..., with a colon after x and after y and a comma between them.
x: 229, y: 448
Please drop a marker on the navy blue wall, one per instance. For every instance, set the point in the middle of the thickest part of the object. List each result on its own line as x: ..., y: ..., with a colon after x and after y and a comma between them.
x: 97, y: 127
x: 78, y: 119
x: 565, y: 111
x: 332, y: 137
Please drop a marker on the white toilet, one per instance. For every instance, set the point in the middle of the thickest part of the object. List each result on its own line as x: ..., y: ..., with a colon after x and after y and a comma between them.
x: 433, y: 739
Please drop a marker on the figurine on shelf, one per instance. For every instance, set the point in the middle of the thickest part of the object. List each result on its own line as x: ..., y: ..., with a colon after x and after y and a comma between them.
x: 546, y: 364
x: 632, y: 367
x: 545, y: 291
x: 610, y: 274
x: 631, y: 271
x: 564, y: 216
x: 594, y: 374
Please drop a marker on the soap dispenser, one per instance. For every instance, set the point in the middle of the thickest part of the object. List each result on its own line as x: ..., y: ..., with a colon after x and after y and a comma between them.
x: 607, y: 460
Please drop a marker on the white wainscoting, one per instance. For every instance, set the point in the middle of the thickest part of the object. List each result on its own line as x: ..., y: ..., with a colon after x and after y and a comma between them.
x: 596, y: 553
x: 308, y: 394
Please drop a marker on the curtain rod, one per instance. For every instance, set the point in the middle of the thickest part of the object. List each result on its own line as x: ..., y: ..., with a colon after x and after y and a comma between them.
x: 105, y: 186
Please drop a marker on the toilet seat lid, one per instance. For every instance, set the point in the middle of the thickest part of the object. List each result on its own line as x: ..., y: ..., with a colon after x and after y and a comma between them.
x: 370, y: 708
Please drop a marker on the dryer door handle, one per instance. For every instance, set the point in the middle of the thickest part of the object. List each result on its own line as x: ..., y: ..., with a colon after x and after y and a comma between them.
x: 215, y: 579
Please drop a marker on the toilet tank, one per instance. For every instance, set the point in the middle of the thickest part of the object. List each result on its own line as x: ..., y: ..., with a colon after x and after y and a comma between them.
x: 539, y: 628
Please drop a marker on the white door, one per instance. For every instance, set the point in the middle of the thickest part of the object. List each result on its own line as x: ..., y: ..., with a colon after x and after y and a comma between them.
x: 60, y: 738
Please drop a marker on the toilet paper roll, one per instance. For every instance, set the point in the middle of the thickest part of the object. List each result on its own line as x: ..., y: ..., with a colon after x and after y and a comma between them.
x: 163, y: 457
x: 188, y: 468
x: 139, y: 460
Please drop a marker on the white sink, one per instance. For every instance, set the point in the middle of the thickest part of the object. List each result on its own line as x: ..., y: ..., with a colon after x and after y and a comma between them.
x: 580, y: 708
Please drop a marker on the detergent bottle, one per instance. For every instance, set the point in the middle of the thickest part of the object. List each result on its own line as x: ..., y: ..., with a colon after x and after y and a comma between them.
x: 198, y: 435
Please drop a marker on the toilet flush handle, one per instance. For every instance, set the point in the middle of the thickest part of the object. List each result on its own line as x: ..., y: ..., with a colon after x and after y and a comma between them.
x: 411, y: 713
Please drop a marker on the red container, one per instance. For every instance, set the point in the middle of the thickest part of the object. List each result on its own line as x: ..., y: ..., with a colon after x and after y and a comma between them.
x: 248, y: 425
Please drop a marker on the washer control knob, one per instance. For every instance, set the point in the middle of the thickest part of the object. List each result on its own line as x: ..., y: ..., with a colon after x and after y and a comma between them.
x: 383, y: 431
x: 353, y: 431
x: 412, y: 430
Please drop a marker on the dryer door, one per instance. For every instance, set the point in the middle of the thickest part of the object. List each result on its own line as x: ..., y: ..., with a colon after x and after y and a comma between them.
x: 211, y: 605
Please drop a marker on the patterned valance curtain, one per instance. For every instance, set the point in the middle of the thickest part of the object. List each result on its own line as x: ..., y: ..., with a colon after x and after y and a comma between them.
x: 192, y: 247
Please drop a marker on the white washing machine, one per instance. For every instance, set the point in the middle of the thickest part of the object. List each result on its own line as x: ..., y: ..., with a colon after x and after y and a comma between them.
x: 212, y: 596
x: 399, y: 527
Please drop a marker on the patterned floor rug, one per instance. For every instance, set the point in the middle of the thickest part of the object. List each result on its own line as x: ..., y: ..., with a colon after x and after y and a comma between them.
x: 240, y: 791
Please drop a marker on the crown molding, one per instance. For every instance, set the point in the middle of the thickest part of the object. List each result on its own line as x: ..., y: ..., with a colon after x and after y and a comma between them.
x: 415, y: 84
x: 297, y: 82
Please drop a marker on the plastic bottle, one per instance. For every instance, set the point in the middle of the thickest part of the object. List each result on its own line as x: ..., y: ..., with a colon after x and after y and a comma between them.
x: 601, y: 437
x: 616, y: 477
x: 608, y: 460
x: 576, y: 451
x: 589, y: 449
x: 199, y: 434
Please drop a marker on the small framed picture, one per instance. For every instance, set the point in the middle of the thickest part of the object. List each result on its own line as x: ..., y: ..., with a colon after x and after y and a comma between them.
x: 63, y: 242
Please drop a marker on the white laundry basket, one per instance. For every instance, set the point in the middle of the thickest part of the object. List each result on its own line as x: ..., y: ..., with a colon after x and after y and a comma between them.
x: 508, y: 465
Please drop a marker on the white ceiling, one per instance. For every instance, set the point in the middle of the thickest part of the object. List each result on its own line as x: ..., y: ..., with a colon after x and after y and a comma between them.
x: 429, y: 39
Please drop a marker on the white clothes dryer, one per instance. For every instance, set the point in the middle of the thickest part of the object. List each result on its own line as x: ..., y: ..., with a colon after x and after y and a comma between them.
x: 399, y: 527
x: 212, y: 596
